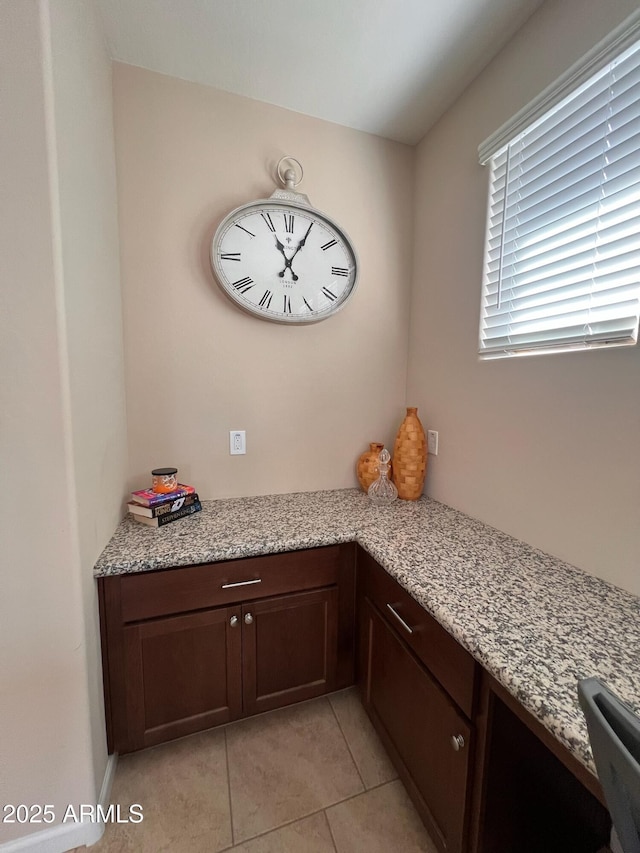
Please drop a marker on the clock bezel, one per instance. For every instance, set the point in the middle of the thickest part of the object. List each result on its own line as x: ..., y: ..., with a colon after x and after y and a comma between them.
x: 285, y: 205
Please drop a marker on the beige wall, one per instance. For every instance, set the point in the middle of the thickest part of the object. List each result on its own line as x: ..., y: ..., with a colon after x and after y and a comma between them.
x: 92, y: 305
x: 62, y: 425
x: 43, y: 704
x: 545, y: 448
x: 310, y: 398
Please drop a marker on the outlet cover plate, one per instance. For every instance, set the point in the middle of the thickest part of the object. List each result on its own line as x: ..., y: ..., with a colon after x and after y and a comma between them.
x: 237, y: 442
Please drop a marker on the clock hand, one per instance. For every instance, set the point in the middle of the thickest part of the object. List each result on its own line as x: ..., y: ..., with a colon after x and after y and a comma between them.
x: 280, y: 247
x: 301, y: 243
x: 287, y: 266
x: 287, y: 261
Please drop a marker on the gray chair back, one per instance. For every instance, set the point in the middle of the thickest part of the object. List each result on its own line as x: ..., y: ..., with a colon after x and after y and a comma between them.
x: 614, y: 734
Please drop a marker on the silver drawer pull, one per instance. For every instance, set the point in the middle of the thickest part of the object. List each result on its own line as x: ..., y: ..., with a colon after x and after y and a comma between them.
x: 233, y: 621
x: 248, y: 619
x: 241, y: 583
x: 400, y: 619
x: 457, y: 742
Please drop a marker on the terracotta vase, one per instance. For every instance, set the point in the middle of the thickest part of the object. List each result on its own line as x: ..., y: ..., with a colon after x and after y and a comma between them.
x: 367, y: 466
x: 410, y: 457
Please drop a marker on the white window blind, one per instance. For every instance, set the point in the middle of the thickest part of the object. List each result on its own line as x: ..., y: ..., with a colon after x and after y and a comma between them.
x: 562, y: 252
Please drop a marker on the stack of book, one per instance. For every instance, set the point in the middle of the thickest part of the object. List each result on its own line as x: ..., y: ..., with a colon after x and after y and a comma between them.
x: 156, y: 509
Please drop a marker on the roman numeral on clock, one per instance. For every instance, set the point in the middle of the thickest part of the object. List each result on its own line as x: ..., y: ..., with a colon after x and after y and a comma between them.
x: 329, y: 245
x: 243, y: 284
x: 287, y: 304
x: 307, y: 304
x: 246, y: 230
x: 267, y: 218
x: 230, y: 256
x: 265, y: 302
x: 329, y: 294
x: 339, y: 271
x: 288, y: 222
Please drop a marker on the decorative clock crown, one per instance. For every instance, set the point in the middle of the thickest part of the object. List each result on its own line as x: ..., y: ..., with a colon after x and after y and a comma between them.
x: 288, y: 180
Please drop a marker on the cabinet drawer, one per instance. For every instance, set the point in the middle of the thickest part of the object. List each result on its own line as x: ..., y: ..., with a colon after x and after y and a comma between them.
x: 445, y: 658
x: 161, y: 593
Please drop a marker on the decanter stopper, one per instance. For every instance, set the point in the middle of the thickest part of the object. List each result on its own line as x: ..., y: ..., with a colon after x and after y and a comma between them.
x: 382, y: 490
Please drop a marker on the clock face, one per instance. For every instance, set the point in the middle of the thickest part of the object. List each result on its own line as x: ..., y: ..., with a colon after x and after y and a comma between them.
x: 284, y: 262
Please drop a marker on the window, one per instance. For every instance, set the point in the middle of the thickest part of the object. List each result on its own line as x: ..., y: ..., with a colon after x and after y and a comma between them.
x: 562, y: 251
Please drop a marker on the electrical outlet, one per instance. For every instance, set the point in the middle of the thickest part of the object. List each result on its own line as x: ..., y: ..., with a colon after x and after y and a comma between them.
x: 432, y: 442
x: 237, y: 442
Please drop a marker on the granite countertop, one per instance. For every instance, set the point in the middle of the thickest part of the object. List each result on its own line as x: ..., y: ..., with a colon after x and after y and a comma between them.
x: 534, y: 622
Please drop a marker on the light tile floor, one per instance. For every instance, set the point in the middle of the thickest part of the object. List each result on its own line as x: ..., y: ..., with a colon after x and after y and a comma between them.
x: 310, y: 778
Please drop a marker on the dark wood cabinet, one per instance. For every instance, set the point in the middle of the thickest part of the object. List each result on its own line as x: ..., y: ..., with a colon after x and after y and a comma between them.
x: 531, y: 795
x: 451, y: 665
x: 182, y: 674
x: 509, y: 786
x: 428, y: 738
x: 189, y: 648
x: 419, y: 688
x: 289, y: 649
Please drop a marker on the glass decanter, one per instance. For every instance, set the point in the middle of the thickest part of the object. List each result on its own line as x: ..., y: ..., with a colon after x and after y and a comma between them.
x: 382, y: 490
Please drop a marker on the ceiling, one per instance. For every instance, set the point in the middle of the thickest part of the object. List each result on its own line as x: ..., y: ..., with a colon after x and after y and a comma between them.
x: 389, y: 67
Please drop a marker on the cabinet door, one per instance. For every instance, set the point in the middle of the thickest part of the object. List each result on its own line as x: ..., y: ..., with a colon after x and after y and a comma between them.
x: 289, y: 648
x: 417, y: 722
x: 182, y: 674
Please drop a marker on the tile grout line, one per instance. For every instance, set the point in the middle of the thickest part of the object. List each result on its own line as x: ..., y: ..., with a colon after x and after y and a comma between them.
x: 344, y: 737
x: 322, y: 812
x: 324, y: 809
x: 225, y: 728
x: 226, y: 753
x: 362, y: 793
x: 333, y: 839
x: 313, y: 813
x: 281, y: 826
x: 262, y: 714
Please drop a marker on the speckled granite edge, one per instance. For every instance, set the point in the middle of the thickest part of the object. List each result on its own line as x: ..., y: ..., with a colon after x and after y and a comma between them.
x: 235, y: 528
x: 534, y: 622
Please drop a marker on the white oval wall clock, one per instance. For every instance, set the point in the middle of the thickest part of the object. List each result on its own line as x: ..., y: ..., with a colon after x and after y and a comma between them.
x: 280, y: 259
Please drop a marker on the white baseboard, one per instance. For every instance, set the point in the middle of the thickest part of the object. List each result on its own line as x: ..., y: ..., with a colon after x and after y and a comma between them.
x: 105, y: 790
x: 615, y: 845
x: 55, y: 839
x: 66, y: 836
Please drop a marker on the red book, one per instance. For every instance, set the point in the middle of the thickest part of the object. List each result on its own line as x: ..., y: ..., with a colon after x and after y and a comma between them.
x: 147, y: 497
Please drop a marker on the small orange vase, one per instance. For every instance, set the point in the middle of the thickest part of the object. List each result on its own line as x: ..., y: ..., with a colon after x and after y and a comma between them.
x: 410, y: 457
x: 367, y: 466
